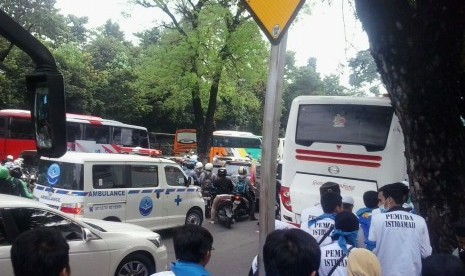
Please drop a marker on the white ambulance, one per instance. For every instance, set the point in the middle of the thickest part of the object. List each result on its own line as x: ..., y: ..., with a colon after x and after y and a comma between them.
x: 353, y: 141
x: 150, y: 192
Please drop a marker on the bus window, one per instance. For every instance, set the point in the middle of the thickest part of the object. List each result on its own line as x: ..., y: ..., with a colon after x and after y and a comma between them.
x: 97, y: 133
x: 73, y: 131
x: 344, y: 124
x: 2, y: 128
x: 20, y: 128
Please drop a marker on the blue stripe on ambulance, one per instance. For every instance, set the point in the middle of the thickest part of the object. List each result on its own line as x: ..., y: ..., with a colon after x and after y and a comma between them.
x: 147, y: 191
x: 170, y: 191
x: 180, y: 190
x: 131, y: 192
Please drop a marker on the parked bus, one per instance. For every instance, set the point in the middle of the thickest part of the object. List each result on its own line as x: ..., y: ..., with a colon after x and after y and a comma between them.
x: 84, y: 134
x: 185, y: 142
x: 162, y: 141
x: 235, y: 145
x: 355, y: 142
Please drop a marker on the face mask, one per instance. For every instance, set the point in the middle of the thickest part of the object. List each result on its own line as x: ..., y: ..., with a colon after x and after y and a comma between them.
x: 382, y: 209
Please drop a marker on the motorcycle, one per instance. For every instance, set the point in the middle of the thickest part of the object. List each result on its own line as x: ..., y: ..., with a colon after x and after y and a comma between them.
x: 240, y: 207
x: 225, y: 211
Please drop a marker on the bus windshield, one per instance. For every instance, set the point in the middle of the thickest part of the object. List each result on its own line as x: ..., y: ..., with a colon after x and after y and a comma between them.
x: 365, y: 125
x: 236, y: 142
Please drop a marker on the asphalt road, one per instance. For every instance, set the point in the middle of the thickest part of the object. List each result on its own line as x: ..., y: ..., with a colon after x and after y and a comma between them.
x: 234, y: 251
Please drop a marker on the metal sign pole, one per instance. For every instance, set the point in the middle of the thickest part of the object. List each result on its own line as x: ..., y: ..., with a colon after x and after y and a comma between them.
x: 271, y: 117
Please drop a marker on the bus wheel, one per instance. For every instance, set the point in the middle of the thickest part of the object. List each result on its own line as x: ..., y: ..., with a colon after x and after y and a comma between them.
x: 194, y: 217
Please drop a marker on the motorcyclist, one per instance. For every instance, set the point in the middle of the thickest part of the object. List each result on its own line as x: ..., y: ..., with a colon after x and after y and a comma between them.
x: 222, y: 187
x: 6, y: 186
x: 195, y: 174
x: 207, y: 177
x: 8, y: 162
x: 22, y: 187
x: 245, y: 188
x: 189, y: 168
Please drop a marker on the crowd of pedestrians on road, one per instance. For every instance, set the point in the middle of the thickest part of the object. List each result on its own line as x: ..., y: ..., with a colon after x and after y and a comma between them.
x: 394, y: 241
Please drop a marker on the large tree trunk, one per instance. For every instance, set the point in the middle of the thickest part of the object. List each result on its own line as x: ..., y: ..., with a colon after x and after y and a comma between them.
x: 418, y: 48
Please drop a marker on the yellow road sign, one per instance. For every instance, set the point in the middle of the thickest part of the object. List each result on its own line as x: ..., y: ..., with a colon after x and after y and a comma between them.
x: 274, y: 16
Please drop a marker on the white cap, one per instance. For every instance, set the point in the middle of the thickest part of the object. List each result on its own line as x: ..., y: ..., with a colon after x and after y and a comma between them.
x: 9, y: 157
x: 348, y: 200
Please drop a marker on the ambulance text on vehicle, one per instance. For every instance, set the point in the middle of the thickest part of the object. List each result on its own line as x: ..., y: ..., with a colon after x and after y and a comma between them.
x: 355, y: 142
x: 150, y: 192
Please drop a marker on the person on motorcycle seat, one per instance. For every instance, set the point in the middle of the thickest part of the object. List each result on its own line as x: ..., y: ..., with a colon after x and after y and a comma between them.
x: 207, y: 177
x: 245, y: 189
x: 22, y: 187
x: 223, y: 188
x: 196, y: 172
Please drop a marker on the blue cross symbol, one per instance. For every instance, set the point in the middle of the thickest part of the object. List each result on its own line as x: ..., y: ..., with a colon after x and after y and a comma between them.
x: 178, y: 200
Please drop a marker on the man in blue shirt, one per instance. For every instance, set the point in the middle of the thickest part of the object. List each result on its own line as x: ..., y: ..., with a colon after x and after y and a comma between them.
x: 192, y: 248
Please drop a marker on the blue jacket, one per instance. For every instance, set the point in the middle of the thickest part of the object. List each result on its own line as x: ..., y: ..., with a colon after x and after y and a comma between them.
x: 180, y: 268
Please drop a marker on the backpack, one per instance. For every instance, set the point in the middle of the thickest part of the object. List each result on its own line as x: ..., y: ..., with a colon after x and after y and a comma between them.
x: 207, y: 182
x: 241, y: 186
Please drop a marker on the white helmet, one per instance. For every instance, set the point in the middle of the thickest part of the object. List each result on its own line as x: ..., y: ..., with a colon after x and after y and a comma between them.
x: 208, y: 166
x: 9, y: 158
x: 198, y: 165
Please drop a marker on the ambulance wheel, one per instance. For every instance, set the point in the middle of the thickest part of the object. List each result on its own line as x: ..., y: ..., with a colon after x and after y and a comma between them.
x: 194, y: 217
x: 135, y: 264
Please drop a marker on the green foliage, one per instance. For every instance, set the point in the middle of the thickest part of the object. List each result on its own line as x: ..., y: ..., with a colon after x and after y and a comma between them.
x: 364, y: 74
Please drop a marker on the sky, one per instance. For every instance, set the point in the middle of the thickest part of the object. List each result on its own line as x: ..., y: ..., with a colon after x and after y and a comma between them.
x: 325, y: 34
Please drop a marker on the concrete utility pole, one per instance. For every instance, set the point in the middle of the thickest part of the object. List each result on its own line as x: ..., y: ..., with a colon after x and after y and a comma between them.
x: 271, y: 118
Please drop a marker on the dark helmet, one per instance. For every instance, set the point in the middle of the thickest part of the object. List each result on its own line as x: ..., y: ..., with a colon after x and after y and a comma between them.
x: 222, y: 172
x: 190, y: 165
x: 15, y: 171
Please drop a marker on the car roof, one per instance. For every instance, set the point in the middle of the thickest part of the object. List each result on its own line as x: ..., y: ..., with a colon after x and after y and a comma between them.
x: 81, y: 157
x: 16, y: 201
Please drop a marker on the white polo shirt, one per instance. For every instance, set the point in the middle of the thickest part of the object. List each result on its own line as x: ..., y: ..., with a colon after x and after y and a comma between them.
x: 319, y: 229
x: 311, y: 213
x: 402, y: 240
x: 330, y: 254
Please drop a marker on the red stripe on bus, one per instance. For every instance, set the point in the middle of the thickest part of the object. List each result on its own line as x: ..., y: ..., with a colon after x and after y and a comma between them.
x: 94, y: 122
x: 338, y: 161
x: 340, y: 155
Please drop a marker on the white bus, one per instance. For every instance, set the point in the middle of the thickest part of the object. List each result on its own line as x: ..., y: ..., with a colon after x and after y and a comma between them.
x: 355, y: 142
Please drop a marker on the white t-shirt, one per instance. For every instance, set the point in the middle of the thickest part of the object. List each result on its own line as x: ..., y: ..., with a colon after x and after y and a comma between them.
x: 319, y: 229
x: 402, y: 240
x: 330, y: 254
x: 311, y: 213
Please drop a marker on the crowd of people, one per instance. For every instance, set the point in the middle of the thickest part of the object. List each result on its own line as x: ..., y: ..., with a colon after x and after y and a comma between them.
x: 385, y: 237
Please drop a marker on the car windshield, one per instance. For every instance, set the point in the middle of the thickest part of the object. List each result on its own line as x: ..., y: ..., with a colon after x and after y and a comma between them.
x: 232, y: 169
x: 61, y: 175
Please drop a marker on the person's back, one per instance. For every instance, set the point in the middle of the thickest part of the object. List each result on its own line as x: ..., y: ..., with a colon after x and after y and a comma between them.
x: 401, y: 237
x: 370, y: 199
x: 6, y: 185
x: 40, y: 252
x: 344, y: 239
x: 223, y: 185
x: 322, y: 226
